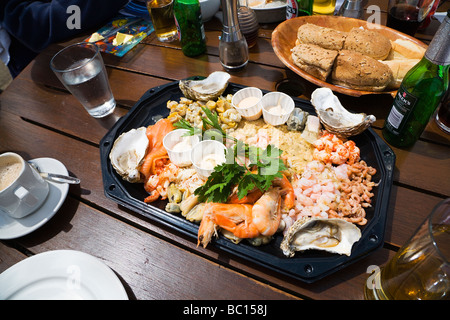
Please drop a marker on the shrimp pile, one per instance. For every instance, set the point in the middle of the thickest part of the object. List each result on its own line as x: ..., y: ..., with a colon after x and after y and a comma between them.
x: 156, y: 167
x: 316, y: 192
x: 355, y: 194
x: 157, y: 184
x: 335, y: 185
x: 331, y: 149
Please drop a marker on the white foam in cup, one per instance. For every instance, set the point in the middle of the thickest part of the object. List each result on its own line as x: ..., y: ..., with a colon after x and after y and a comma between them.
x: 22, y: 189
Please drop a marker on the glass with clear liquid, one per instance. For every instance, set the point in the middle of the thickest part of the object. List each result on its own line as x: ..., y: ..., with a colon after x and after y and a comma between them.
x: 420, y: 270
x: 81, y: 70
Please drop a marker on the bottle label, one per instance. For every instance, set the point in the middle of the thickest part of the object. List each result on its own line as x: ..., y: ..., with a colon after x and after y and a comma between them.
x: 291, y: 9
x: 402, y: 107
x: 178, y: 28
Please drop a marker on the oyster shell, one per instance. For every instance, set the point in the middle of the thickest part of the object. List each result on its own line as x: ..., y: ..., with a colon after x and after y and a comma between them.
x: 332, y: 235
x: 207, y: 89
x: 335, y: 118
x: 128, y: 152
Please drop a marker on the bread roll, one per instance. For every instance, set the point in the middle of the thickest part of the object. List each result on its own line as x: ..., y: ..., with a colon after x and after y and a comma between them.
x: 370, y: 43
x: 399, y: 69
x: 323, y: 37
x: 314, y: 60
x: 357, y: 71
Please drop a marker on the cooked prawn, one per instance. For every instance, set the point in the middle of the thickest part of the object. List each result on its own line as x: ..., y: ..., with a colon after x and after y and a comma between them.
x: 243, y: 220
x: 235, y: 218
x: 266, y: 213
x: 250, y: 198
x: 286, y: 190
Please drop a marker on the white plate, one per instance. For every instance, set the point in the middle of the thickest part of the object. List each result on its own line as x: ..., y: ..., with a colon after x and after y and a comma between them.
x: 61, y: 275
x: 11, y: 228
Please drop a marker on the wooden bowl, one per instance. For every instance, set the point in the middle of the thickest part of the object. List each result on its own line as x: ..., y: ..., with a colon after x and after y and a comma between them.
x: 285, y: 35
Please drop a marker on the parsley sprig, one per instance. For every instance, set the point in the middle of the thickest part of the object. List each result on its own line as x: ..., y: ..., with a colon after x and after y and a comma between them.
x: 246, y: 166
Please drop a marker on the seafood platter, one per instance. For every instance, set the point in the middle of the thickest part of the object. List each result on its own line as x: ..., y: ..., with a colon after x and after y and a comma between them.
x: 299, y: 187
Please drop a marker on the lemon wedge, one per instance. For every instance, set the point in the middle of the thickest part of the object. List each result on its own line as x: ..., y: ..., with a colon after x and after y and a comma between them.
x: 121, y: 38
x: 95, y: 37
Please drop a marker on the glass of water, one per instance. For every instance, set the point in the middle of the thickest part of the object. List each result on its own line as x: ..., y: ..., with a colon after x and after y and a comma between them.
x: 81, y: 70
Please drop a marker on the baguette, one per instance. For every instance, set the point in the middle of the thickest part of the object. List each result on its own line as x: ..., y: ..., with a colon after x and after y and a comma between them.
x: 314, y: 60
x: 399, y: 69
x: 357, y: 71
x: 323, y: 37
x: 408, y: 49
x: 370, y: 43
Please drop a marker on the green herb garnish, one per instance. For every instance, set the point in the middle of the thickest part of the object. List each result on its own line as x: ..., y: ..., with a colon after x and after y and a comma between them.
x: 263, y: 167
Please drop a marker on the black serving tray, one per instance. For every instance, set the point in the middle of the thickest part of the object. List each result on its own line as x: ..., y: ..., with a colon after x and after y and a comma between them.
x: 307, y: 266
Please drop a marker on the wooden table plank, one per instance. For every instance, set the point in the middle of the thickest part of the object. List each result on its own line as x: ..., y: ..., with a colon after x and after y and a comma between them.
x: 9, y: 256
x: 147, y: 266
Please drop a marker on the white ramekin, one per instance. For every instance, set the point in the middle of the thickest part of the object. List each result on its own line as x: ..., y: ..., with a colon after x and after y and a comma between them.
x: 201, y: 150
x: 250, y: 113
x: 272, y: 99
x: 179, y: 158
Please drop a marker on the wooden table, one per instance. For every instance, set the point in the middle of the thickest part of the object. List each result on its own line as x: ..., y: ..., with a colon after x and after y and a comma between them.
x: 39, y: 118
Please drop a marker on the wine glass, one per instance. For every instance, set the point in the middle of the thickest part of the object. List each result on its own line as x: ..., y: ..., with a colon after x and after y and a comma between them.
x: 406, y: 15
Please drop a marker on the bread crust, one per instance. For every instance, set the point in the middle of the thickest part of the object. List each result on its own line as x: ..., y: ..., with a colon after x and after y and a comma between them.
x: 370, y: 43
x: 360, y: 72
x: 323, y: 37
x: 314, y: 60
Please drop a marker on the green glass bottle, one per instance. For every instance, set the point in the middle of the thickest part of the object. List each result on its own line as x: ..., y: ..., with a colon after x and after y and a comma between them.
x: 190, y: 27
x: 420, y: 92
x: 298, y: 8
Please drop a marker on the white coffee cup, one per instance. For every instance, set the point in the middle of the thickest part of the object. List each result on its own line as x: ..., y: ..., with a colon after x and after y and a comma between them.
x: 22, y: 189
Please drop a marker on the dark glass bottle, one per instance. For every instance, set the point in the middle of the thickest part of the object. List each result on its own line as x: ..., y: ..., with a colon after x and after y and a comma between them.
x: 190, y: 27
x: 420, y: 92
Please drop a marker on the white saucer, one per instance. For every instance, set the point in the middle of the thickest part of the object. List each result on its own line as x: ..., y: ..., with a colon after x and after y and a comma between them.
x: 11, y: 228
x: 61, y: 275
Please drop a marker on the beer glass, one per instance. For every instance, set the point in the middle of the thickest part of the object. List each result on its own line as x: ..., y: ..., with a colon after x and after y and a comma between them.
x: 324, y: 7
x: 420, y: 270
x: 81, y: 70
x: 163, y: 19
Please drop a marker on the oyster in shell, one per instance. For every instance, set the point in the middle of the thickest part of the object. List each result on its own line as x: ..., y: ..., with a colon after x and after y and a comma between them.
x: 207, y: 89
x: 335, y: 118
x: 128, y: 152
x: 332, y: 235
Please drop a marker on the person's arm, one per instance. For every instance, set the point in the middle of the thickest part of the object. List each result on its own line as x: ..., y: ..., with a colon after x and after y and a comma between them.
x: 36, y: 24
